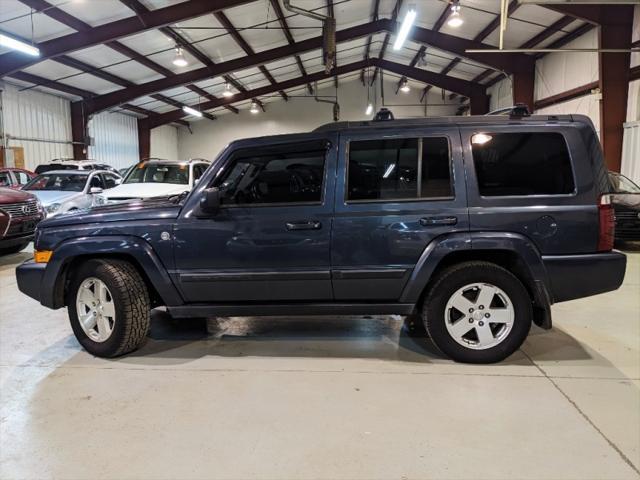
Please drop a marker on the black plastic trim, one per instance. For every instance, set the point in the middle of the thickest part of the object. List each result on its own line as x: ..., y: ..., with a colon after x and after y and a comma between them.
x: 223, y: 310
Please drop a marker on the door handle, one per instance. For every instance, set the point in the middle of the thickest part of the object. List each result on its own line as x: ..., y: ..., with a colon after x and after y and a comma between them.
x: 310, y: 225
x: 428, y: 221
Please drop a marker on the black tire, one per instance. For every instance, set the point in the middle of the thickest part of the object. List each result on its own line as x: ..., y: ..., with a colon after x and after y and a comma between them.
x: 14, y: 249
x: 458, y: 276
x: 131, y: 301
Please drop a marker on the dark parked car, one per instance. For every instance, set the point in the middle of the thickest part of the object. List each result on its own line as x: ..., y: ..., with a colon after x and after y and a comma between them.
x: 626, y: 203
x: 20, y: 212
x: 15, y: 177
x: 474, y: 225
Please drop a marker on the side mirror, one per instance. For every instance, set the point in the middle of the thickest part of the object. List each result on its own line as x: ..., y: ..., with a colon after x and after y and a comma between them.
x: 95, y: 190
x: 210, y: 201
x: 118, y: 181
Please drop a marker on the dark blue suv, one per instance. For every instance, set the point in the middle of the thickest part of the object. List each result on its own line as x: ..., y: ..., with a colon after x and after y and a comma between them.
x: 472, y: 226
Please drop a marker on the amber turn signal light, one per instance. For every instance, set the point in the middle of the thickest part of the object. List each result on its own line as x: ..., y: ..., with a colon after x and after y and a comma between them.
x: 42, y: 256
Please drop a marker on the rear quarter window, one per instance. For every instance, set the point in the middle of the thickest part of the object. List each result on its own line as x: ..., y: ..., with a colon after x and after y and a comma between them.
x: 522, y: 164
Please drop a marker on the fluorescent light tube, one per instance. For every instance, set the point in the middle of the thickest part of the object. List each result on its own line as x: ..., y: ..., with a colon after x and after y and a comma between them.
x: 14, y: 44
x: 191, y: 111
x: 407, y: 23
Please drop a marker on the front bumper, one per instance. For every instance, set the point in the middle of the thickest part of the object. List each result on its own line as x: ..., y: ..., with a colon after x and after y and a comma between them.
x: 14, y: 241
x: 29, y: 275
x: 578, y: 276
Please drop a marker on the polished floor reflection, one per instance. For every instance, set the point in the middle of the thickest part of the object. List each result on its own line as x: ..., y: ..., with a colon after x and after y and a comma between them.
x: 319, y: 397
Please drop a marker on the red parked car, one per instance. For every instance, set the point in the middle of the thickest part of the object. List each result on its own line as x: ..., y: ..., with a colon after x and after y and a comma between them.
x: 15, y: 177
x: 20, y: 212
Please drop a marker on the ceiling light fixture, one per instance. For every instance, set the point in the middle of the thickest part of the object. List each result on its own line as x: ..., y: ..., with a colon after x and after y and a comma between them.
x: 404, y: 85
x: 179, y: 60
x: 254, y: 107
x: 227, y: 91
x: 455, y: 20
x: 192, y: 111
x: 407, y: 23
x: 369, y: 109
x: 19, y: 46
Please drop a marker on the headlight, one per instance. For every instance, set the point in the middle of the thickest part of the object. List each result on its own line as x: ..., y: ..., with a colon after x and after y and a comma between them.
x: 54, y: 207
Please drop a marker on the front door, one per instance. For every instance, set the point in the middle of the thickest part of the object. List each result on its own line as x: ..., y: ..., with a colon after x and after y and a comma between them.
x: 399, y: 192
x: 270, y: 240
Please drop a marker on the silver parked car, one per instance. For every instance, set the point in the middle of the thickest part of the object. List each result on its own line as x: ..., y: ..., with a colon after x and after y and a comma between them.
x: 62, y: 191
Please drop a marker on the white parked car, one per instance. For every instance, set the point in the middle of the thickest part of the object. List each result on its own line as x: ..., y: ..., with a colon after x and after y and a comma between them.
x: 71, y: 164
x: 158, y: 178
x: 62, y: 191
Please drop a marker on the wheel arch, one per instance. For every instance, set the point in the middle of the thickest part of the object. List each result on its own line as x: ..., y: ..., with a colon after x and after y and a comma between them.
x: 511, y: 251
x: 137, y: 252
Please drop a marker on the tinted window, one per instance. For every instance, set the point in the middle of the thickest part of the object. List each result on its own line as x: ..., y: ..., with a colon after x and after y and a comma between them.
x: 522, y: 164
x: 109, y: 180
x: 390, y: 169
x: 5, y: 179
x: 198, y: 170
x: 287, y: 174
x: 58, y: 181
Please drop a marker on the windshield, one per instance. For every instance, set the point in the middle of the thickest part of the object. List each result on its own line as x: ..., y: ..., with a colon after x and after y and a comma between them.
x: 158, y: 173
x: 65, y: 182
x: 622, y: 184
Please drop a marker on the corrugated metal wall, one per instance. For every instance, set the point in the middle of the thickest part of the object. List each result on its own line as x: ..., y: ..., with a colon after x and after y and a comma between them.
x: 115, y: 139
x: 631, y: 151
x: 36, y: 115
x: 164, y: 142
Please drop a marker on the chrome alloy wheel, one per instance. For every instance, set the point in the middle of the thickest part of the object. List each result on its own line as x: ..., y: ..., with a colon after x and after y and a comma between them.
x: 479, y: 316
x: 96, y: 310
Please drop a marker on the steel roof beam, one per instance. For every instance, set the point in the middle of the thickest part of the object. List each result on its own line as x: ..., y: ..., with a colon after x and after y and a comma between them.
x: 14, y: 61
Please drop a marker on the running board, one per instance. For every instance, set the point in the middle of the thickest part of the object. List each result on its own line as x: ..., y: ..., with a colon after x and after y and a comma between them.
x: 254, y: 310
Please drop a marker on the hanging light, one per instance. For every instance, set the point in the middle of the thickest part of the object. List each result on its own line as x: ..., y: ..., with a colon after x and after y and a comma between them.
x: 23, y: 47
x: 179, y: 60
x: 227, y: 91
x: 404, y: 85
x: 407, y: 23
x: 455, y: 20
x: 254, y: 107
x: 369, y: 109
x: 192, y: 111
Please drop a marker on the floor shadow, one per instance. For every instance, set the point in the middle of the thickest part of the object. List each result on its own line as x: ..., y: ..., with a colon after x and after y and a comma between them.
x: 628, y: 246
x: 11, y: 261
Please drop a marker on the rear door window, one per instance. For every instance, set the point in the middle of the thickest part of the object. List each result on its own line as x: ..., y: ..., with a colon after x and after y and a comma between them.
x: 522, y: 164
x: 399, y: 169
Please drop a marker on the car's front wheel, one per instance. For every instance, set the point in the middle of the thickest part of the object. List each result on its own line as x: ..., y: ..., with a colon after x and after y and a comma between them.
x: 109, y: 307
x: 477, y: 312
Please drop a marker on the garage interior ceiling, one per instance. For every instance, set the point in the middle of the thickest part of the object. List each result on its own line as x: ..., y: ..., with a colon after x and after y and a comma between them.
x: 119, y: 56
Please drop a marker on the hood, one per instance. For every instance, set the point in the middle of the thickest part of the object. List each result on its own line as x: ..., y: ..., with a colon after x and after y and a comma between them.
x: 155, y: 209
x: 626, y: 200
x: 144, y: 190
x: 48, y: 197
x: 7, y: 195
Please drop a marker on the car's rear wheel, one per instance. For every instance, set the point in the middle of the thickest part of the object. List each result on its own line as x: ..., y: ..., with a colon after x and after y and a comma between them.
x: 477, y: 312
x: 109, y: 307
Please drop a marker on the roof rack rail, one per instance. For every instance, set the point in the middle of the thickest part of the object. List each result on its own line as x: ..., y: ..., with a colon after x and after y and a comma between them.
x: 146, y: 159
x: 517, y: 110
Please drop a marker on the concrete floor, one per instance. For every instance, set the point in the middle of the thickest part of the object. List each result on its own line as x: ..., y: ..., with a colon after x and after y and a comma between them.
x: 320, y: 398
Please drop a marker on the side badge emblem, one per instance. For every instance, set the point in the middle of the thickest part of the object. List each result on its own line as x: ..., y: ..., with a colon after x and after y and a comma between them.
x: 165, y: 236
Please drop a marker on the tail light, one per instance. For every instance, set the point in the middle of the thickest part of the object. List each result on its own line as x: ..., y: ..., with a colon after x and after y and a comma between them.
x: 607, y: 228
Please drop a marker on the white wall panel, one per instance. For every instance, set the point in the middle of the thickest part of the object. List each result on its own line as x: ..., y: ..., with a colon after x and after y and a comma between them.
x: 116, y: 139
x: 558, y: 72
x: 303, y: 115
x: 631, y: 151
x: 633, y: 102
x: 164, y: 142
x: 44, y: 118
x: 501, y: 95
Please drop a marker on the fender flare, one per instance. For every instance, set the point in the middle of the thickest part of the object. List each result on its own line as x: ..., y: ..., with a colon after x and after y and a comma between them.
x: 444, y: 245
x: 96, y: 246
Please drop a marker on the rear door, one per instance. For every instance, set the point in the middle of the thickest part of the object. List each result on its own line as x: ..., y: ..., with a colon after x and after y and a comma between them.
x: 395, y: 193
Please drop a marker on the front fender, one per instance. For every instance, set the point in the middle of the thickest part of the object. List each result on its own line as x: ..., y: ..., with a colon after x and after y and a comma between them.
x: 91, y: 247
